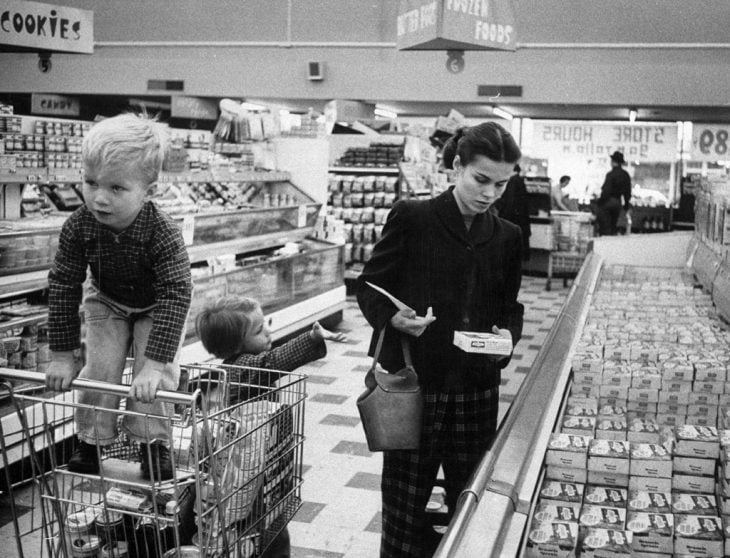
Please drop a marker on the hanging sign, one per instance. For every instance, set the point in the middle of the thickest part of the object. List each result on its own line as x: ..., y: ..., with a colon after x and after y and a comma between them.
x: 710, y: 142
x: 46, y: 26
x: 193, y: 107
x: 456, y: 25
x: 638, y: 142
x: 56, y: 105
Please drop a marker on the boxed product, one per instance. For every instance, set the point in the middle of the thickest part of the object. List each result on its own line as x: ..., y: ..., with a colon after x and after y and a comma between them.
x: 587, y: 376
x: 606, y: 496
x: 650, y: 502
x: 677, y: 369
x: 682, y: 386
x: 482, y: 343
x: 611, y: 429
x: 608, y: 479
x: 578, y: 426
x: 561, y: 493
x: 648, y: 395
x: 596, y: 542
x: 557, y: 539
x: 708, y: 370
x: 676, y: 396
x: 617, y: 353
x: 672, y: 408
x: 644, y: 352
x: 650, y: 460
x: 611, y: 411
x: 653, y: 532
x: 617, y: 392
x: 584, y: 390
x: 701, y: 398
x: 608, y: 456
x: 670, y: 419
x: 692, y: 483
x: 647, y: 408
x: 566, y: 474
x: 698, y: 535
x: 551, y: 512
x: 650, y: 484
x: 582, y: 407
x: 701, y: 421
x: 696, y: 410
x: 694, y: 466
x: 709, y: 387
x: 589, y: 359
x: 567, y: 450
x: 602, y: 516
x: 697, y: 441
x: 646, y: 378
x: 643, y: 430
x: 695, y: 504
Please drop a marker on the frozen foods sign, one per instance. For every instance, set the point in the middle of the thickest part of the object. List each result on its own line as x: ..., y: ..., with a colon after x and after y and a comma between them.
x: 456, y: 25
x: 638, y: 142
x: 34, y: 25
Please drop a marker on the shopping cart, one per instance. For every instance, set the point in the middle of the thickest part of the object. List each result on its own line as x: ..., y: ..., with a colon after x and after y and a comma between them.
x: 236, y: 437
x: 571, y: 237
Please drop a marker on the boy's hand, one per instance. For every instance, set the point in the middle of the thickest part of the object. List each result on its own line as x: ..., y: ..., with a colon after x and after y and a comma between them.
x: 147, y: 381
x: 507, y: 334
x: 62, y: 371
x: 319, y: 333
x: 408, y: 322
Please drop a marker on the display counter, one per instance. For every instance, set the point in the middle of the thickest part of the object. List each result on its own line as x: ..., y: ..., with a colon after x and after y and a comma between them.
x: 494, y: 512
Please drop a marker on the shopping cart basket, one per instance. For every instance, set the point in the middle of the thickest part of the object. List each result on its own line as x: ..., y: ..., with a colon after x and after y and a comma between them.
x: 236, y: 470
x: 571, y: 238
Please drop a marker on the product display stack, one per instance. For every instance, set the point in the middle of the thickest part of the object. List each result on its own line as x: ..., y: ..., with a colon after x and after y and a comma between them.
x: 638, y: 464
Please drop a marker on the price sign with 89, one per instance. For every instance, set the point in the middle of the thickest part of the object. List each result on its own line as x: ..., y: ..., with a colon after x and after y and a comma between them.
x: 710, y: 143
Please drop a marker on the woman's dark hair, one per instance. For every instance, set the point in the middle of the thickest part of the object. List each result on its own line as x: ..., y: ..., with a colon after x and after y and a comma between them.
x: 488, y: 139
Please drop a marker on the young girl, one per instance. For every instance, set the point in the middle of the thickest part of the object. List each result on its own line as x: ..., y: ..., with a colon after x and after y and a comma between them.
x: 234, y: 329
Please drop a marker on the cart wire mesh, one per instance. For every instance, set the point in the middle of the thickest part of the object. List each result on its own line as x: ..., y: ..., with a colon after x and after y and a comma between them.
x: 235, y: 441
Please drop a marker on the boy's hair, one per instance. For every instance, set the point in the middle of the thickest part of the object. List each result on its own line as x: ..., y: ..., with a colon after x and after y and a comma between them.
x: 126, y: 139
x: 564, y: 178
x: 222, y: 325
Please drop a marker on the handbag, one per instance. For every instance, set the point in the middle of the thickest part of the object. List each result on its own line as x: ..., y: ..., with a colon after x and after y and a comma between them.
x: 391, y: 408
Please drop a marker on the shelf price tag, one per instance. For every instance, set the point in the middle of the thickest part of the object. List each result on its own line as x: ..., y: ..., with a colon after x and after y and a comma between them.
x: 188, y: 229
x: 710, y: 142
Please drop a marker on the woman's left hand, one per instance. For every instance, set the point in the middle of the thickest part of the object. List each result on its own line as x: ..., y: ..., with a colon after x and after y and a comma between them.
x: 507, y: 334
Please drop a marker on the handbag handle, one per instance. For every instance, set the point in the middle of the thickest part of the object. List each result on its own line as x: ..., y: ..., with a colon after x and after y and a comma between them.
x: 405, y: 346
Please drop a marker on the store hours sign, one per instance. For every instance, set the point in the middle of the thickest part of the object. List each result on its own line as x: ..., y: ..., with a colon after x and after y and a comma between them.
x: 638, y: 142
x: 710, y: 142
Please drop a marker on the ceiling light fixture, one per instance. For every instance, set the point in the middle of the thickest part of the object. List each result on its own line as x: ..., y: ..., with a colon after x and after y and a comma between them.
x: 632, y: 115
x: 501, y: 113
x: 385, y: 113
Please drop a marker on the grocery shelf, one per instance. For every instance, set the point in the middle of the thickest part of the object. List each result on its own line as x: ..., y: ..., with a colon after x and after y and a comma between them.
x: 204, y: 251
x: 367, y: 170
x: 23, y: 283
x: 17, y: 323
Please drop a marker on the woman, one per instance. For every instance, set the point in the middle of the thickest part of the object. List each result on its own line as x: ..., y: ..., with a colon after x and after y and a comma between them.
x: 453, y: 255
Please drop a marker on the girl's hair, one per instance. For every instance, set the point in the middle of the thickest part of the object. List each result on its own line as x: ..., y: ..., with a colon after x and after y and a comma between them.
x: 126, y: 139
x: 488, y: 139
x: 223, y: 325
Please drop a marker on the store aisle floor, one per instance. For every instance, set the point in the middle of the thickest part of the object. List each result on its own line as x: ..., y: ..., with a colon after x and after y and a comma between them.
x: 340, y: 515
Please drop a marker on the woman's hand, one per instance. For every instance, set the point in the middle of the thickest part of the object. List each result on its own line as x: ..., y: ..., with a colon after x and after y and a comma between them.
x: 408, y: 322
x: 507, y: 334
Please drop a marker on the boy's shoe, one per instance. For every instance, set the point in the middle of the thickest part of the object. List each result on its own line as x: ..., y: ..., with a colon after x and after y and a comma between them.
x: 161, y: 466
x: 84, y: 459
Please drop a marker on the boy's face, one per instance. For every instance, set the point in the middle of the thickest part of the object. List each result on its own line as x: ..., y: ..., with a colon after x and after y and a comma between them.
x: 257, y: 339
x: 115, y: 195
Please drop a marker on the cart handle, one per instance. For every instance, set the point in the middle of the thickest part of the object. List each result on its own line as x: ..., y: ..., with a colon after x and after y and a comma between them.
x: 102, y: 387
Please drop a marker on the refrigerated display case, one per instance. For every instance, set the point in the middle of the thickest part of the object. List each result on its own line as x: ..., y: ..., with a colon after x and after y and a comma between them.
x: 495, y: 510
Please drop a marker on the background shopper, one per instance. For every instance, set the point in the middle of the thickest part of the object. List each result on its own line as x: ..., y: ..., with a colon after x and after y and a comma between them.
x: 617, y: 185
x: 513, y: 206
x: 560, y: 199
x: 452, y: 255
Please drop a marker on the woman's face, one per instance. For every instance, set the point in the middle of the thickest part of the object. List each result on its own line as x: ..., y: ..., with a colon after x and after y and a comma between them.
x: 480, y: 183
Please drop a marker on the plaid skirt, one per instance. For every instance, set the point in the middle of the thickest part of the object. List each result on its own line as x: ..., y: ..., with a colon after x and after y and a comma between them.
x: 457, y: 430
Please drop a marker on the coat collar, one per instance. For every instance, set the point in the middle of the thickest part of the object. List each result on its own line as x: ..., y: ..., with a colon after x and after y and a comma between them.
x: 448, y: 212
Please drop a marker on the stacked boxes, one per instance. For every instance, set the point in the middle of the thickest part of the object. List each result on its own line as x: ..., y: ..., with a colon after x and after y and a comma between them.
x: 650, y: 399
